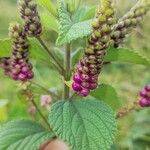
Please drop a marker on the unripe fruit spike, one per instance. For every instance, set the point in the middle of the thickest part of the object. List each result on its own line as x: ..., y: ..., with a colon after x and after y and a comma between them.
x: 90, y: 65
x: 20, y: 68
x: 29, y: 13
x: 129, y: 21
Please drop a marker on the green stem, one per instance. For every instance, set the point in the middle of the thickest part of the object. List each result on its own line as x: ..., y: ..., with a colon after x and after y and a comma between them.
x: 40, y: 113
x: 67, y: 66
x: 50, y: 54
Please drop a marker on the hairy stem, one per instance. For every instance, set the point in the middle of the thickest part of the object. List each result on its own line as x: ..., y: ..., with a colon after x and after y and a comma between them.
x: 40, y: 113
x: 60, y: 68
x: 67, y: 72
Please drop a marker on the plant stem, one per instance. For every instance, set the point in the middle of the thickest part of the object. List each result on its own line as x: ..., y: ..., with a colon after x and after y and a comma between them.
x: 40, y: 113
x: 50, y: 54
x: 67, y: 67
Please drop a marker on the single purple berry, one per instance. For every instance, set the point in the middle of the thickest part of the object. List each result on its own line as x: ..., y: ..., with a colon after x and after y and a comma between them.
x: 30, y: 75
x: 85, y: 77
x: 24, y: 69
x: 143, y: 93
x: 15, y: 71
x: 93, y: 79
x: 147, y: 88
x: 144, y: 102
x: 77, y: 78
x: 93, y: 86
x: 76, y: 87
x: 84, y: 92
x: 22, y: 77
x: 85, y: 84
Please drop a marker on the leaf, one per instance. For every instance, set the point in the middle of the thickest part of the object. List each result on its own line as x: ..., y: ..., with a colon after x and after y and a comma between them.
x: 50, y: 22
x: 89, y: 13
x: 76, y: 56
x: 84, y: 124
x: 48, y: 4
x: 23, y: 135
x: 126, y: 55
x: 108, y: 94
x: 68, y: 29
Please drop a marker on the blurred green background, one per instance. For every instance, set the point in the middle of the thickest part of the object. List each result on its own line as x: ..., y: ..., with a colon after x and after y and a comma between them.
x: 128, y: 79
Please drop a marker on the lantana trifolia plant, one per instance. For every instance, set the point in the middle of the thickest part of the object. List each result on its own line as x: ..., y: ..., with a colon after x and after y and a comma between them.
x: 79, y: 115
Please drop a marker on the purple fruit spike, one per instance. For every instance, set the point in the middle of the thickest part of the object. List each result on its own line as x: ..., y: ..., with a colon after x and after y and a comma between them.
x: 85, y: 85
x: 30, y: 75
x: 93, y: 86
x: 22, y: 77
x: 76, y: 87
x: 84, y: 92
x: 24, y: 69
x: 144, y: 102
x: 17, y: 66
x: 77, y: 78
x: 85, y: 77
x: 147, y: 88
x: 143, y: 93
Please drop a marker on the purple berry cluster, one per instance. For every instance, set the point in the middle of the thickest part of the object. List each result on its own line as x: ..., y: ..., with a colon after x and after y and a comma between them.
x: 129, y: 21
x: 145, y: 96
x: 20, y: 68
x: 86, y: 73
x: 29, y: 14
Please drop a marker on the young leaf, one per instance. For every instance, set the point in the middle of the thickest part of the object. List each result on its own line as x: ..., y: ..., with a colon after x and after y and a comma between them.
x: 89, y: 13
x: 108, y: 94
x: 68, y: 29
x: 48, y: 4
x: 126, y: 55
x: 23, y: 135
x: 84, y: 124
x: 49, y: 22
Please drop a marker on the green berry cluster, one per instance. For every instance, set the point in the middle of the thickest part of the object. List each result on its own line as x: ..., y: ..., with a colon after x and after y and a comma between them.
x: 89, y: 67
x: 129, y: 21
x: 29, y: 13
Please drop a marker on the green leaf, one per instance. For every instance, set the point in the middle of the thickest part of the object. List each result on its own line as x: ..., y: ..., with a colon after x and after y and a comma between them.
x: 68, y: 29
x: 48, y: 4
x: 107, y: 94
x: 126, y: 55
x: 89, y: 13
x: 23, y: 135
x: 49, y: 22
x: 84, y: 124
x: 76, y: 56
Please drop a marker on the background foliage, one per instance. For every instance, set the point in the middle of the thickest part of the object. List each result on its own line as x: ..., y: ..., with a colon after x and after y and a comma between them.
x: 127, y: 79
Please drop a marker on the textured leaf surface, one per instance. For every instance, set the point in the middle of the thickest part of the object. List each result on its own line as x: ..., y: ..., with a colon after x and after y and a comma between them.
x: 70, y: 30
x: 84, y: 125
x: 108, y: 94
x: 126, y: 55
x: 23, y: 135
